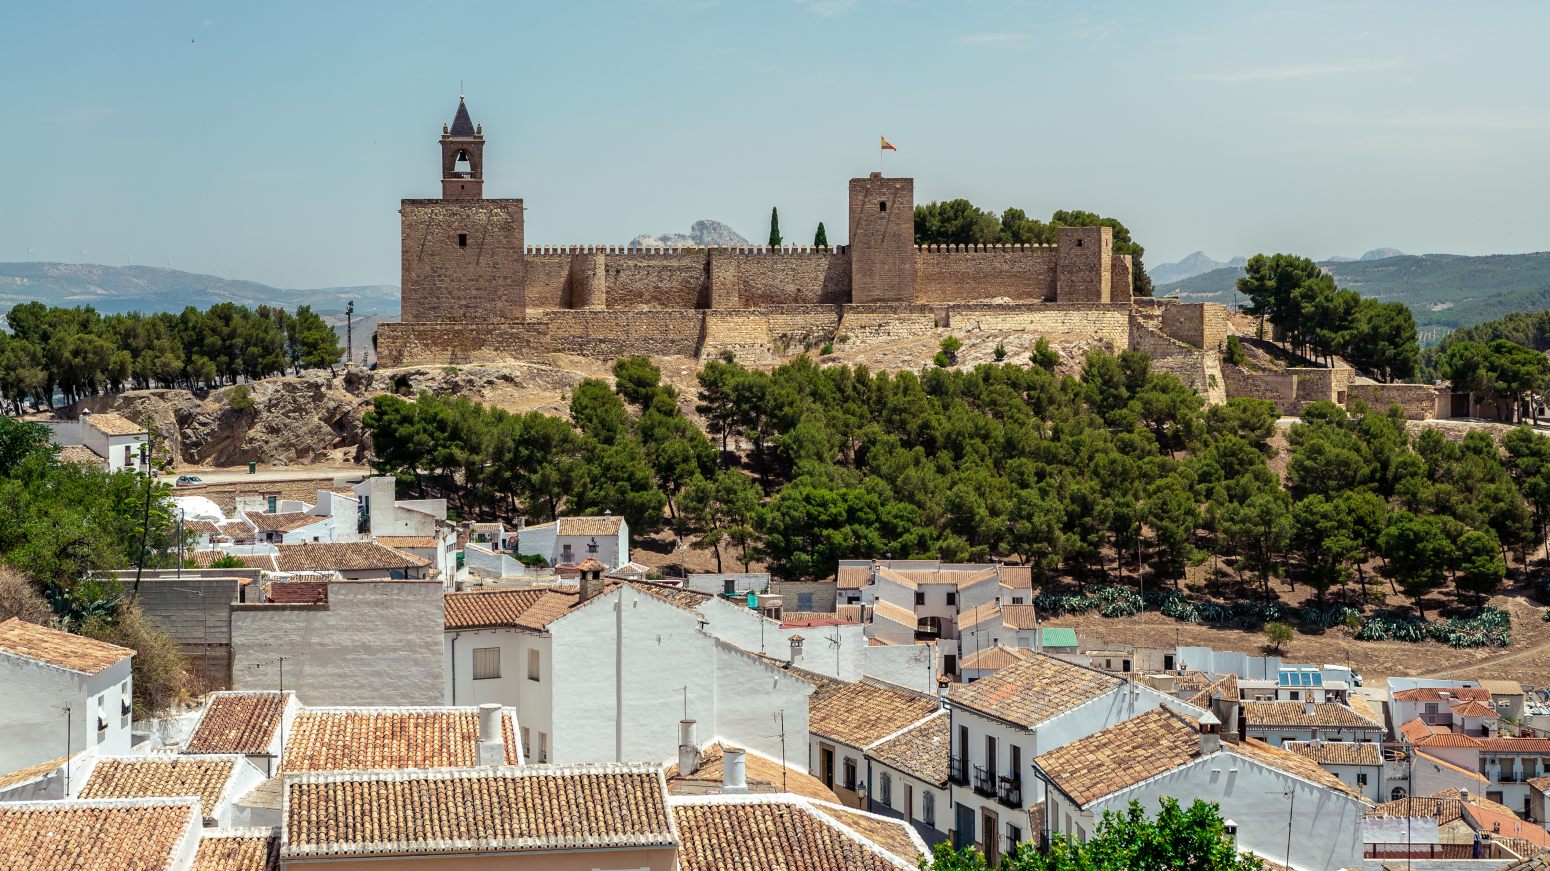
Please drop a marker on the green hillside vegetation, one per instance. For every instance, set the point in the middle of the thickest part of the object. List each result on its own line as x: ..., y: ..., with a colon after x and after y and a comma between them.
x: 1444, y: 291
x: 76, y: 352
x: 1086, y: 479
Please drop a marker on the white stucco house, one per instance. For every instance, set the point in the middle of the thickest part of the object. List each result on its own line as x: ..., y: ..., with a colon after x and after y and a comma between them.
x: 570, y: 540
x: 909, y: 772
x: 61, y: 691
x: 1276, y: 723
x: 114, y: 438
x: 217, y: 780
x: 607, y: 671
x: 845, y: 722
x: 1001, y: 722
x: 1263, y: 790
x: 1358, y: 764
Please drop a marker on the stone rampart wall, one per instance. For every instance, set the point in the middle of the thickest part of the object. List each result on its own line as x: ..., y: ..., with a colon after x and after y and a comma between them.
x: 608, y: 334
x: 459, y: 343
x: 675, y: 279
x: 961, y: 273
x: 548, y: 281
x: 1107, y: 321
x: 787, y: 277
x: 1418, y: 401
x: 1277, y: 387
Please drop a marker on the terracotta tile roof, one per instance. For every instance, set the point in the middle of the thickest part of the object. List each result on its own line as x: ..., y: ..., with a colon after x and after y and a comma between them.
x: 762, y: 773
x: 790, y: 619
x: 406, y: 540
x: 322, y: 556
x: 1503, y: 823
x: 921, y: 751
x: 1540, y: 783
x: 1191, y: 680
x: 1421, y: 734
x: 852, y: 577
x: 421, y: 813
x: 207, y: 558
x: 1154, y: 743
x: 1443, y: 810
x: 61, y: 649
x: 1017, y: 577
x: 31, y: 772
x: 867, y: 711
x: 95, y: 835
x: 1357, y: 703
x: 1032, y: 691
x: 238, y: 850
x: 893, y: 835
x: 112, y: 424
x: 1515, y: 745
x: 238, y: 722
x: 1338, y: 752
x: 959, y: 578
x: 298, y: 592
x: 994, y: 658
x: 1502, y: 687
x: 895, y: 613
x: 689, y: 600
x: 1456, y: 769
x: 1018, y: 616
x: 237, y: 529
x: 1264, y: 715
x: 202, y: 527
x: 766, y: 833
x: 983, y: 613
x: 364, y: 739
x: 1224, y: 687
x: 526, y: 609
x: 1443, y: 694
x: 606, y: 525
x: 162, y: 777
x: 81, y: 456
x: 1473, y: 709
x: 282, y: 521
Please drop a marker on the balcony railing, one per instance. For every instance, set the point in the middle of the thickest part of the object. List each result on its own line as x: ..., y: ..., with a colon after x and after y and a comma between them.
x: 958, y: 770
x: 984, y: 781
x: 1010, y: 792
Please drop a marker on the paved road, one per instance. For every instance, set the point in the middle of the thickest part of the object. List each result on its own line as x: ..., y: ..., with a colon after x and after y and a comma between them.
x: 285, y: 473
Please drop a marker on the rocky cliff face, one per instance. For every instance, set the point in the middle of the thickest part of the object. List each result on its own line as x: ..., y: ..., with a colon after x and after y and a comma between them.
x: 315, y: 417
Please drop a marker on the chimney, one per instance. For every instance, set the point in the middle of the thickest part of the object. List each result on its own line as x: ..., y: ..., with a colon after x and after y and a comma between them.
x: 1210, y: 734
x: 492, y: 747
x: 688, y: 751
x: 734, y: 780
x: 590, y: 585
x: 796, y: 649
x: 1309, y: 708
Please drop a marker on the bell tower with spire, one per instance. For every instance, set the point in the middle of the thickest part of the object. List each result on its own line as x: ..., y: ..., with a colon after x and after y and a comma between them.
x: 462, y: 157
x: 463, y: 257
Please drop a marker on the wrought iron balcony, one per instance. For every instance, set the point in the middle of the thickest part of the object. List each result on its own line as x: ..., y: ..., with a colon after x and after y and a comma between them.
x: 1010, y: 792
x: 984, y: 781
x: 958, y: 770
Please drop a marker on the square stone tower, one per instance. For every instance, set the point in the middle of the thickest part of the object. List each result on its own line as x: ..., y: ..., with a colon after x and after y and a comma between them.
x: 1084, y: 265
x: 462, y: 255
x: 882, y: 239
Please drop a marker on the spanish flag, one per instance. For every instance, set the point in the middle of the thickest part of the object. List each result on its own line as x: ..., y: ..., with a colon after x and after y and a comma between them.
x: 887, y: 146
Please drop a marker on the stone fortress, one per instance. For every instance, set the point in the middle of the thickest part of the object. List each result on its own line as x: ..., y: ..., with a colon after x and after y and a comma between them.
x: 475, y: 292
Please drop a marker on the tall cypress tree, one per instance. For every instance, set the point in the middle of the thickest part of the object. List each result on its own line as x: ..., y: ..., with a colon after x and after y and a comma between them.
x: 774, y: 226
x: 820, y: 239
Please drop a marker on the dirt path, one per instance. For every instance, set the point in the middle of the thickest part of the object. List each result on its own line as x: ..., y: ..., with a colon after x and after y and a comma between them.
x: 1523, y: 616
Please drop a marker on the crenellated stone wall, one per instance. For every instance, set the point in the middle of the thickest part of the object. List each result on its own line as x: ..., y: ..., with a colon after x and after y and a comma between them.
x: 962, y: 273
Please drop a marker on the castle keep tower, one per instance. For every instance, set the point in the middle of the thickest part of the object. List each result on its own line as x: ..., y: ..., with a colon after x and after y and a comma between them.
x: 882, y: 239
x: 462, y: 255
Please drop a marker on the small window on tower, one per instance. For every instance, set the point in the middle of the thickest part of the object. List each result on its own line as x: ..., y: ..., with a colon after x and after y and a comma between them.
x: 1079, y: 243
x: 462, y: 240
x: 882, y: 205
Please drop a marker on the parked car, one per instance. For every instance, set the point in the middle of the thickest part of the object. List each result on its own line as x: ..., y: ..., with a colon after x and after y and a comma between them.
x: 186, y: 480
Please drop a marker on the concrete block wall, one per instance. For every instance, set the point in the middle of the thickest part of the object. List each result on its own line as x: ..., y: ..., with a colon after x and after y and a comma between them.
x: 196, y: 611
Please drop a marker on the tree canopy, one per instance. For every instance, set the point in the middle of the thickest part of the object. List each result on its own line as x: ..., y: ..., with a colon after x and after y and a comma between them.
x: 76, y: 352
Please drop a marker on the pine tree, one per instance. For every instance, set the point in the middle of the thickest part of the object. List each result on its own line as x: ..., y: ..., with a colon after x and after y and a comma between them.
x: 774, y: 227
x: 820, y: 239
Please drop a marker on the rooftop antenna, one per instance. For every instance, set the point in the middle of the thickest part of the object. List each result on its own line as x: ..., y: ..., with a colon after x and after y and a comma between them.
x: 834, y: 641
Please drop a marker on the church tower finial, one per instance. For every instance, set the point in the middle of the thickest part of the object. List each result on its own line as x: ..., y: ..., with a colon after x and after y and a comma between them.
x: 462, y: 157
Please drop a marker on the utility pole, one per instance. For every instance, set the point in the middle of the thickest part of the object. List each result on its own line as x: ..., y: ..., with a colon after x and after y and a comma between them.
x: 349, y: 331
x: 145, y: 530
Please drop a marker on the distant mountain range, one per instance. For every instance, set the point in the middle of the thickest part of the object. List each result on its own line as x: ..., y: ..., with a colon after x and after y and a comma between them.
x: 1445, y: 291
x: 702, y: 234
x: 1200, y: 263
x: 118, y: 289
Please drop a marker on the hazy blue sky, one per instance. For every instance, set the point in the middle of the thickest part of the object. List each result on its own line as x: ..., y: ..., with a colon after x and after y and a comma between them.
x: 272, y: 141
